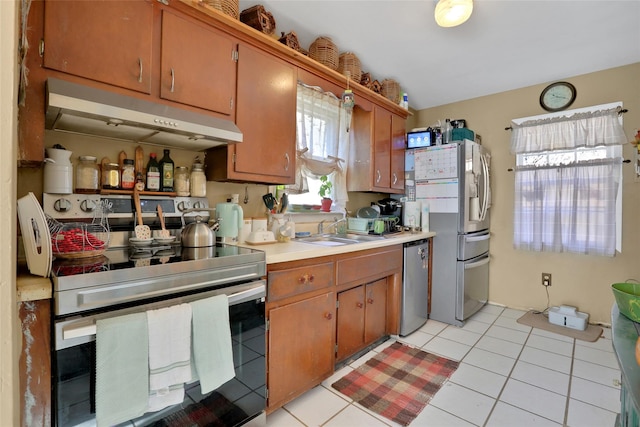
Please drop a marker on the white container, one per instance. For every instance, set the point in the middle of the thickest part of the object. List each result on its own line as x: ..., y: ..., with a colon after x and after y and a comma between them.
x: 58, y: 172
x: 411, y: 214
x: 424, y: 218
x: 259, y: 224
x: 567, y: 316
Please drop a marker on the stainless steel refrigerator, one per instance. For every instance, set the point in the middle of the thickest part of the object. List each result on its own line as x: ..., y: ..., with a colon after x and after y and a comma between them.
x: 453, y: 179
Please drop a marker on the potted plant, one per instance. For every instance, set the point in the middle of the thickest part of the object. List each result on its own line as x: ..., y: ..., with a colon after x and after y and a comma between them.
x: 325, y: 193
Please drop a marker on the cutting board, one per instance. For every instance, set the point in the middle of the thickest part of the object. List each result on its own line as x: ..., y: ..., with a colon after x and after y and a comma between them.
x: 139, y: 160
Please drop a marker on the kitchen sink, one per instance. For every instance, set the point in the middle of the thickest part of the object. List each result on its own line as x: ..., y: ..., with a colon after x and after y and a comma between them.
x: 338, y: 239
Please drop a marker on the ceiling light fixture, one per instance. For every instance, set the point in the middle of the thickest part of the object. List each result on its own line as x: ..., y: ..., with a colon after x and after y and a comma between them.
x: 450, y: 13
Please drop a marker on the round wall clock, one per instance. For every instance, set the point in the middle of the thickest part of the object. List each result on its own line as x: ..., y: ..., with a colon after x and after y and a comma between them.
x: 558, y: 96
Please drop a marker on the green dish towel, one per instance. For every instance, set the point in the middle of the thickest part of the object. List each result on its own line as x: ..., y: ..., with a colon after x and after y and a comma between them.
x: 122, y: 368
x: 211, y: 342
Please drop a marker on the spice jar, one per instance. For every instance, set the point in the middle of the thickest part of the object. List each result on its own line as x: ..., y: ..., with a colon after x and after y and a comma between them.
x: 111, y: 176
x: 198, y: 180
x: 87, y: 175
x: 181, y: 181
x: 128, y: 178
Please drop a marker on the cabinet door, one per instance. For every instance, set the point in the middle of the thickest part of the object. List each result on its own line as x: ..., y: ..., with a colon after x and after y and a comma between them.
x: 106, y: 41
x: 266, y: 115
x: 300, y: 346
x: 376, y: 310
x: 350, y: 322
x: 397, y: 152
x: 198, y: 65
x: 382, y: 148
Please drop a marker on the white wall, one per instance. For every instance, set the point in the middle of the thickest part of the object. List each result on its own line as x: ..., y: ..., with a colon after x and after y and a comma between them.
x: 9, y: 414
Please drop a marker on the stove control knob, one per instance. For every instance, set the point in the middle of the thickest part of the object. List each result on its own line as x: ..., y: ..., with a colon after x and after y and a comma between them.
x: 182, y: 207
x: 62, y: 205
x: 88, y: 205
x: 196, y: 205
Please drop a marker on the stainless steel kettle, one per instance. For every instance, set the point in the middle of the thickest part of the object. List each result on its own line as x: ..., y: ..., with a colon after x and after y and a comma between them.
x: 198, y: 234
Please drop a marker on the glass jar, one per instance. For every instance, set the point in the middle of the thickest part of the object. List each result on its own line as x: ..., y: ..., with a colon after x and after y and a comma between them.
x: 198, y: 180
x: 111, y: 176
x: 128, y: 178
x: 181, y: 181
x: 87, y: 175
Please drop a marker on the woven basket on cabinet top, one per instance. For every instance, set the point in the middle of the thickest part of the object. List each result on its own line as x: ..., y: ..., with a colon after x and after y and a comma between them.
x: 349, y: 65
x: 391, y: 90
x: 325, y: 51
x: 228, y: 7
x: 257, y: 17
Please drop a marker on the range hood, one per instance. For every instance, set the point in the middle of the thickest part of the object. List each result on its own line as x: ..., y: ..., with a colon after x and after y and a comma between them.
x: 89, y: 111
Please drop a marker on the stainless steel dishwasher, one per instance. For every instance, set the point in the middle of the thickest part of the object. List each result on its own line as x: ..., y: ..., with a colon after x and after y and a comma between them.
x: 415, y: 286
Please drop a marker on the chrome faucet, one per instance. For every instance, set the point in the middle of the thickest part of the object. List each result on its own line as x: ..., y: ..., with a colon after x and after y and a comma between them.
x: 333, y: 224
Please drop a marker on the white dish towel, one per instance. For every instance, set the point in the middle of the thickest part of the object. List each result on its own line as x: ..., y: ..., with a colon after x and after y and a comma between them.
x: 169, y: 355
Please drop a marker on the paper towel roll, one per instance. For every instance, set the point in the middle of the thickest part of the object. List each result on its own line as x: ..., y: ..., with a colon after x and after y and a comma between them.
x: 411, y: 214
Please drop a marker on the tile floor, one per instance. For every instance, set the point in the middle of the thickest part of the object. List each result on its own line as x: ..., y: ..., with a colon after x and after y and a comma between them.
x: 510, y: 375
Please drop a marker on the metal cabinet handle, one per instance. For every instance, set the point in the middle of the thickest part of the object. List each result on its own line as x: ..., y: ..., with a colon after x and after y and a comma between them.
x: 286, y: 166
x: 140, y: 73
x: 395, y: 178
x: 378, y: 176
x: 359, y: 304
x: 306, y: 278
x: 328, y: 316
x: 370, y: 300
x: 173, y: 79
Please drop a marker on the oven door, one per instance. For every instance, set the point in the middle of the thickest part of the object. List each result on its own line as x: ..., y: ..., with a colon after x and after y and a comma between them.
x: 234, y: 403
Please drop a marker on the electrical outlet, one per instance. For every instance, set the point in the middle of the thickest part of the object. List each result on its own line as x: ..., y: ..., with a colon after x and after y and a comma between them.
x: 546, y: 279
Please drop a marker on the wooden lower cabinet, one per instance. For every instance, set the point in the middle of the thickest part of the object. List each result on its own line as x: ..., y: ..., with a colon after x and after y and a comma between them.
x: 300, y: 347
x: 361, y: 317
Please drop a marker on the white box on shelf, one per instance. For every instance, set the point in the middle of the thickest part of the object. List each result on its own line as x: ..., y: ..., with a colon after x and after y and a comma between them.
x: 568, y: 316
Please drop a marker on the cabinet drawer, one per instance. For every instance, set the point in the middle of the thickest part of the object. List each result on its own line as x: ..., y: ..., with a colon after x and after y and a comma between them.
x: 369, y: 266
x: 294, y: 281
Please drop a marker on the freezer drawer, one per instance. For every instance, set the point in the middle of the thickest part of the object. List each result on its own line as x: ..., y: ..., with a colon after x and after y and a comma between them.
x: 473, y: 245
x: 472, y: 287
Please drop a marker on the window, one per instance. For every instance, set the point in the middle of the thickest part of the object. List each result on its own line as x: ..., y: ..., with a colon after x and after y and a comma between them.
x: 568, y: 183
x: 322, y: 146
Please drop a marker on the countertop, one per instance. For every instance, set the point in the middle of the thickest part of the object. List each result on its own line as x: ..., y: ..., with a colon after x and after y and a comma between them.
x: 624, y: 336
x: 293, y: 251
x: 32, y: 288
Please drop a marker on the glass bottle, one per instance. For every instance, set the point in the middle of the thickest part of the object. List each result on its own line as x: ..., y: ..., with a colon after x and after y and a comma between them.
x: 111, y: 176
x: 87, y: 175
x: 166, y: 172
x: 198, y: 180
x: 153, y: 173
x: 128, y: 176
x: 181, y: 181
x: 446, y: 132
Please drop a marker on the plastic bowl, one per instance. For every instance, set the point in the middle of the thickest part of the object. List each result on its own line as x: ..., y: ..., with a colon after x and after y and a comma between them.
x: 628, y: 299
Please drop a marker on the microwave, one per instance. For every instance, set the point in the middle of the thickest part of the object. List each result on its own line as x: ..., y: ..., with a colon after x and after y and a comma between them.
x: 419, y: 139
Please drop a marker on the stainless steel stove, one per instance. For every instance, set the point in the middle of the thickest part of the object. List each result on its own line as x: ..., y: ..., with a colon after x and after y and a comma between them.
x: 126, y: 279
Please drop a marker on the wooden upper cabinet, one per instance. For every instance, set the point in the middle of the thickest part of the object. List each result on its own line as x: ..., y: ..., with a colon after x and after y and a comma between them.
x: 198, y: 65
x: 381, y: 147
x: 106, y: 41
x: 398, y: 137
x: 376, y: 153
x: 266, y: 115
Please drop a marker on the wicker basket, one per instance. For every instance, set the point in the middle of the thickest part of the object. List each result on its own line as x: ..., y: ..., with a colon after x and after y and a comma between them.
x: 391, y: 90
x: 325, y: 52
x: 228, y: 7
x: 349, y: 65
x: 258, y: 18
x: 290, y: 39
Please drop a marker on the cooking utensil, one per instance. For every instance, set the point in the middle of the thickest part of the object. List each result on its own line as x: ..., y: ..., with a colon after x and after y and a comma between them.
x: 139, y: 160
x: 269, y: 201
x: 142, y: 231
x: 284, y: 203
x: 164, y: 233
x: 246, y: 194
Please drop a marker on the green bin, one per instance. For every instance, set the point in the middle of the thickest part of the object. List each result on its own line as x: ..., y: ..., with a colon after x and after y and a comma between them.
x: 628, y: 299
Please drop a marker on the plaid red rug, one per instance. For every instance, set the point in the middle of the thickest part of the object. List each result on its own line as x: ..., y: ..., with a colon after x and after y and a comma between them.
x: 398, y: 382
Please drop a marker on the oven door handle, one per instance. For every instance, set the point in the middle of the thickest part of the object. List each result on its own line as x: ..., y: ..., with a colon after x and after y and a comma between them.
x: 88, y: 328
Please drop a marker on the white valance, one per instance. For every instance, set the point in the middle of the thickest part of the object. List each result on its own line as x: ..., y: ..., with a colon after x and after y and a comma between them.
x: 589, y: 129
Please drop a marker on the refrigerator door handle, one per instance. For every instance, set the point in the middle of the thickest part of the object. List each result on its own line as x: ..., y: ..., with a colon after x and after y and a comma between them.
x: 485, y: 192
x: 486, y: 236
x: 476, y: 264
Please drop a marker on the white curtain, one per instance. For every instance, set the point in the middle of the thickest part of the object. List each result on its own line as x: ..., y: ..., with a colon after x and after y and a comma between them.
x: 322, y: 141
x: 567, y: 183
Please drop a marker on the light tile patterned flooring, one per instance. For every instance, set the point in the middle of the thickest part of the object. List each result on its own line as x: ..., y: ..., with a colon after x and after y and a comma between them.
x: 510, y: 375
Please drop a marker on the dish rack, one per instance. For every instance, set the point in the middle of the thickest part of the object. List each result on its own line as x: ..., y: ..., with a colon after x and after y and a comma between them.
x: 77, y: 240
x: 365, y: 225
